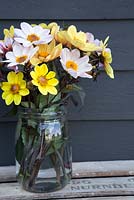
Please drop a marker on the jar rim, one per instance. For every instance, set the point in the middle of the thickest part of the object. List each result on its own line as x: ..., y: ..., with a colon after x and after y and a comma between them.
x: 37, y: 112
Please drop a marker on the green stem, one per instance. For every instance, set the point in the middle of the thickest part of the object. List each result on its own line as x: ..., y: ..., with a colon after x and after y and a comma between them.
x: 29, y: 102
x: 61, y: 162
x: 37, y: 161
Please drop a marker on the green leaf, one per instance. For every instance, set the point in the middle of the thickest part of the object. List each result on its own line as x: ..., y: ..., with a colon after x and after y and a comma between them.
x: 71, y: 88
x: 29, y: 135
x: 32, y: 123
x: 25, y: 104
x: 19, y: 149
x: 74, y: 101
x: 42, y: 101
x: 80, y: 92
x: 24, y: 135
x: 55, y: 98
x: 82, y: 95
x: 56, y: 144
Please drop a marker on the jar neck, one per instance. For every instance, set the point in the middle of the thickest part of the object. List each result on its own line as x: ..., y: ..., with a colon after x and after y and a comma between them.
x: 47, y: 113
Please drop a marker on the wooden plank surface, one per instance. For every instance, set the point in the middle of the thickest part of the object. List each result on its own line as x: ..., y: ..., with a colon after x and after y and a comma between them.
x: 84, y: 169
x: 117, y: 186
x: 75, y: 9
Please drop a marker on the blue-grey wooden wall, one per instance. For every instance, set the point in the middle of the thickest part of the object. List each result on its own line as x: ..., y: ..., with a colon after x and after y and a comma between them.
x: 104, y: 128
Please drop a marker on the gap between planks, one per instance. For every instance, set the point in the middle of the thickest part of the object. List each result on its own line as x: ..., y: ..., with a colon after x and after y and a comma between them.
x: 84, y: 169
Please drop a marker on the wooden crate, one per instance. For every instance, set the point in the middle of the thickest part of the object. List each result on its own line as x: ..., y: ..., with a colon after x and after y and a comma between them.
x: 109, y: 180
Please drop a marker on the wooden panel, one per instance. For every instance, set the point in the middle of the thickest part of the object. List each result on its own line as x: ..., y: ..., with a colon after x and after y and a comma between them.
x: 107, y: 99
x: 120, y: 31
x: 75, y: 9
x: 77, y: 188
x: 7, y: 141
x: 83, y: 169
x: 102, y: 140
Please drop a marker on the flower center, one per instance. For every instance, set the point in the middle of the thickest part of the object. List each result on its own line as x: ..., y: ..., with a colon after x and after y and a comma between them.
x: 32, y: 38
x: 71, y: 64
x: 21, y: 59
x: 43, y: 54
x: 15, y: 88
x: 42, y: 80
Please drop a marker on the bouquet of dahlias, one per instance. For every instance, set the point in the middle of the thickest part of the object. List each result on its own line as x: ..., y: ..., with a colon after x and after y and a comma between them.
x: 45, y: 60
x: 41, y: 66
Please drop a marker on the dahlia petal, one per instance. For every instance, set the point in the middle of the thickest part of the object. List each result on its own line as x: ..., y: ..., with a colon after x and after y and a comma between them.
x: 10, y: 56
x: 12, y: 64
x: 11, y: 77
x: 5, y: 94
x: 20, y: 76
x: 72, y: 31
x: 9, y: 99
x: 6, y: 86
x: 90, y: 37
x: 17, y: 99
x: 8, y: 42
x: 109, y: 70
x: 85, y: 75
x: 35, y: 82
x: 26, y: 28
x: 22, y: 84
x: 65, y: 55
x: 75, y: 53
x: 17, y: 49
x: 53, y: 82
x: 85, y: 68
x: 73, y: 73
x: 32, y: 52
x: 38, y: 30
x: 25, y: 42
x: 51, y: 89
x: 34, y: 75
x: 35, y: 61
x: 24, y: 92
x: 50, y: 75
x: 82, y: 60
x: 19, y: 33
x: 41, y: 70
x: 38, y: 70
x: 43, y: 90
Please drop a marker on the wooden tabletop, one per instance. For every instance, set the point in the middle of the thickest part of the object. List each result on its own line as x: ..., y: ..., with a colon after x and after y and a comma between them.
x: 109, y: 180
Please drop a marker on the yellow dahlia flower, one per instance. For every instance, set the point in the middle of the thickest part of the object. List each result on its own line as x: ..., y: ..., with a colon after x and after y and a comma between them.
x: 14, y: 89
x: 54, y: 28
x: 61, y: 37
x: 44, y: 80
x: 9, y: 33
x: 46, y: 52
x: 107, y: 58
x: 79, y: 39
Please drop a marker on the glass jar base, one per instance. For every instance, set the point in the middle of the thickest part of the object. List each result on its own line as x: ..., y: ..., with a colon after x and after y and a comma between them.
x: 48, y: 185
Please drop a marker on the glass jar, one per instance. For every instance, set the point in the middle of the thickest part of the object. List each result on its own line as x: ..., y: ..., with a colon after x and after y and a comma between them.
x: 43, y: 151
